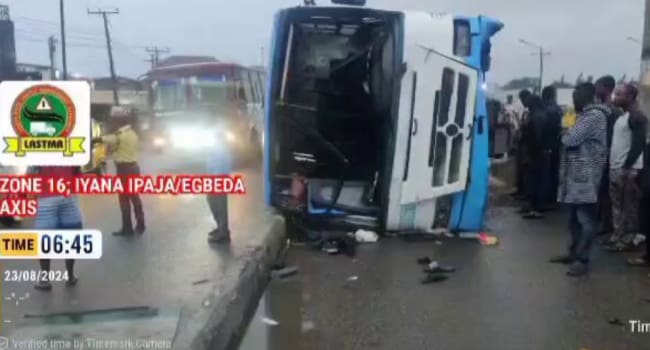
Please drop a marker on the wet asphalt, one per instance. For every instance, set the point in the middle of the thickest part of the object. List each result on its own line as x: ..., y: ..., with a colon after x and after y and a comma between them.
x: 505, y: 297
x: 170, y: 266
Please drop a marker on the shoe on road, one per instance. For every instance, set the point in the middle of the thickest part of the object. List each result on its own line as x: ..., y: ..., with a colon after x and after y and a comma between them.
x: 123, y: 233
x: 563, y: 259
x: 72, y: 281
x: 577, y: 269
x: 533, y: 215
x: 639, y: 261
x: 44, y: 286
x: 217, y: 236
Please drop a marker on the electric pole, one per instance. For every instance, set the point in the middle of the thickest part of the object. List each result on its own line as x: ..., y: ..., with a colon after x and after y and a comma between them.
x: 644, y: 78
x: 64, y: 60
x: 542, y: 53
x: 151, y: 60
x: 104, y: 14
x: 155, y: 52
x: 51, y: 43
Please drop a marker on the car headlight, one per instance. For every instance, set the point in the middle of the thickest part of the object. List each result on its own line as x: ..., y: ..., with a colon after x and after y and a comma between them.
x: 193, y: 138
x: 231, y: 137
x: 159, y: 141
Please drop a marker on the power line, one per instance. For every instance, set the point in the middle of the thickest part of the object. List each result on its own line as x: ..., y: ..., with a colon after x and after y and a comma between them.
x: 156, y: 51
x: 104, y: 14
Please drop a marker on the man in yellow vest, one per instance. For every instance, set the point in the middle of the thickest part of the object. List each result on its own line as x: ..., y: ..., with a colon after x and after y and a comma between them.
x: 125, y: 145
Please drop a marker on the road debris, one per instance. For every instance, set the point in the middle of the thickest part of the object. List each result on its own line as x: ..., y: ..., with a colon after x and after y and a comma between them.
x: 365, y: 236
x: 284, y: 272
x: 486, y: 239
x: 434, y: 267
x: 270, y: 321
x: 307, y: 326
x: 433, y: 278
x: 353, y: 278
x: 615, y: 321
x: 203, y: 281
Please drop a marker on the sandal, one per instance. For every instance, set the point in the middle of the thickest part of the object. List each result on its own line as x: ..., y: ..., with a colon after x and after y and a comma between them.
x: 620, y: 248
x: 642, y: 262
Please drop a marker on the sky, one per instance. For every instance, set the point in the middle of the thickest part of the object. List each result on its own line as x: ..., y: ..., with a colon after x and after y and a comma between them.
x: 588, y: 36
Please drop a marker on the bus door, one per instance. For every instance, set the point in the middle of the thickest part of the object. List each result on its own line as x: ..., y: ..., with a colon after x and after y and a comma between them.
x: 443, y: 96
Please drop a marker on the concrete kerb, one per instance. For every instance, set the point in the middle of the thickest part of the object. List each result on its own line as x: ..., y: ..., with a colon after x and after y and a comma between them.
x: 231, y: 308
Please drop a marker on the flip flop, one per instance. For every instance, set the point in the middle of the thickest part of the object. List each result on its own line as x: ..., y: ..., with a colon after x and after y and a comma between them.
x: 641, y: 262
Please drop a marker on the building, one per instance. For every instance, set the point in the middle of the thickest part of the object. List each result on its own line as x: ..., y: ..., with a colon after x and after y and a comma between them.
x: 7, y: 45
x: 130, y: 92
x: 35, y: 71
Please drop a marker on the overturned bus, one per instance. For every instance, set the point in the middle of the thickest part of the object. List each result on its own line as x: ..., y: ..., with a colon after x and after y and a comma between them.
x: 377, y: 119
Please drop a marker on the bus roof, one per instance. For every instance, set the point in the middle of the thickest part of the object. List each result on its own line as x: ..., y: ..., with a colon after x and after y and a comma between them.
x: 195, y: 69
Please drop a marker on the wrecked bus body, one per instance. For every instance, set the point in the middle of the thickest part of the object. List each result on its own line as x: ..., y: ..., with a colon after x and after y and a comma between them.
x: 377, y: 119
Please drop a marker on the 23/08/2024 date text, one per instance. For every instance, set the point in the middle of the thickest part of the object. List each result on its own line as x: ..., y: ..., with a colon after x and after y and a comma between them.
x: 35, y: 276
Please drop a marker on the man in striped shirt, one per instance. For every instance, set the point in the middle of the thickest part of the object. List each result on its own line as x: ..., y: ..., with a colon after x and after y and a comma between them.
x: 581, y: 169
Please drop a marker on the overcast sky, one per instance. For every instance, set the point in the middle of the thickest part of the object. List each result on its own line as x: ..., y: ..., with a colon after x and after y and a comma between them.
x: 583, y: 35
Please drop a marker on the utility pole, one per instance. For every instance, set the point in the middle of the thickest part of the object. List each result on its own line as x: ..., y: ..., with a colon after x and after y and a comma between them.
x: 542, y: 53
x: 155, y: 52
x: 151, y: 60
x: 104, y: 14
x: 64, y: 59
x: 51, y: 42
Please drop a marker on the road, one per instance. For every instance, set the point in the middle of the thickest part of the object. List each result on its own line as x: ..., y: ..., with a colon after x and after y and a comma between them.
x: 505, y: 297
x: 160, y: 268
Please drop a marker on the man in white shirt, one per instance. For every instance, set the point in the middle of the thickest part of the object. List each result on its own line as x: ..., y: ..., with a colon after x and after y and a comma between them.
x: 626, y: 163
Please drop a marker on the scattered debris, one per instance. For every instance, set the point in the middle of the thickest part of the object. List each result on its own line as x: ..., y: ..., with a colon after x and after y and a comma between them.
x: 196, y: 283
x: 269, y: 321
x: 307, y: 326
x: 615, y: 321
x: 486, y: 239
x: 285, y: 272
x: 638, y: 239
x: 434, y: 267
x: 206, y: 303
x: 469, y: 235
x: 353, y: 278
x: 433, y: 278
x: 365, y: 236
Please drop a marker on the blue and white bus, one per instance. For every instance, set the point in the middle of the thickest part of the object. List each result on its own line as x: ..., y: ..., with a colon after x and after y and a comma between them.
x: 381, y: 115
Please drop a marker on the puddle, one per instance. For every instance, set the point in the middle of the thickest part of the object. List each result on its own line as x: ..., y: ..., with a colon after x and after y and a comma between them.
x: 278, y: 323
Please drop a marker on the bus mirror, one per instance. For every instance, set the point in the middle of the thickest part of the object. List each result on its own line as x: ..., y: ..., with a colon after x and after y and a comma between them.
x: 350, y: 2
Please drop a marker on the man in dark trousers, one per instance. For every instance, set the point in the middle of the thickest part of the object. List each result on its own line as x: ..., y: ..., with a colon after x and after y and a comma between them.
x: 604, y: 91
x: 521, y: 151
x: 644, y: 210
x: 625, y: 165
x: 552, y: 143
x: 125, y: 145
x: 582, y: 162
x: 536, y: 162
x: 219, y: 162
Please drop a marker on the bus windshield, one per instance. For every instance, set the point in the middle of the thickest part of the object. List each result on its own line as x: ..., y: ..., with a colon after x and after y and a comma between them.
x: 198, y: 93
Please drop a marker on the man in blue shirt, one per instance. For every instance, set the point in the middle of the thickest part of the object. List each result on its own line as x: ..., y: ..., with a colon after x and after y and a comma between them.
x: 219, y: 162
